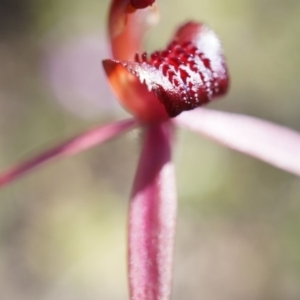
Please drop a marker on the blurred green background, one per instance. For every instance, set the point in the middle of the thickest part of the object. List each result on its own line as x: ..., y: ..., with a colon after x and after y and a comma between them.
x: 63, y: 227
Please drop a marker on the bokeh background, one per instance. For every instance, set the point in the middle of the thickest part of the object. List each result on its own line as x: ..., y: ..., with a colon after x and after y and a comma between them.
x: 63, y: 227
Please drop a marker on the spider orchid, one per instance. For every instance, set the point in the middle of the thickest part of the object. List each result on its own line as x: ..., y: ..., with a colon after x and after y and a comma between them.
x: 156, y: 89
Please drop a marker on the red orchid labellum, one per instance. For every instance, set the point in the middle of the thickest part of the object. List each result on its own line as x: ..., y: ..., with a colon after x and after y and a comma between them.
x: 190, y: 72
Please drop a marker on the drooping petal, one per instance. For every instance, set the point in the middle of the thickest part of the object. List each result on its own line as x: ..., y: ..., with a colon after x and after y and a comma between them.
x: 189, y: 73
x: 152, y: 218
x: 272, y: 143
x: 73, y: 146
x: 128, y: 25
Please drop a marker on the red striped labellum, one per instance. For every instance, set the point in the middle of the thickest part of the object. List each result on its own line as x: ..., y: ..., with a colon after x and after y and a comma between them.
x: 189, y: 73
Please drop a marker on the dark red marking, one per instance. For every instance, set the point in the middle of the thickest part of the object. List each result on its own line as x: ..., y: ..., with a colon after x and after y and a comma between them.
x: 196, y: 70
x: 189, y: 73
x: 141, y: 3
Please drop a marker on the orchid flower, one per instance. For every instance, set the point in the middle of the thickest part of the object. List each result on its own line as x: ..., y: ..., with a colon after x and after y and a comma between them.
x: 164, y: 90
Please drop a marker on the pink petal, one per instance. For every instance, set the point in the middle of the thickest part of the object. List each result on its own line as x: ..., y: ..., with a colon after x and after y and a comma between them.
x: 272, y: 143
x: 152, y: 218
x: 73, y: 146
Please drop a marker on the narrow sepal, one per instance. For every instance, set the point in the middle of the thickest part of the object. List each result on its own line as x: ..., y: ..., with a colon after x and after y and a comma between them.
x: 70, y: 147
x: 152, y: 218
x: 269, y: 142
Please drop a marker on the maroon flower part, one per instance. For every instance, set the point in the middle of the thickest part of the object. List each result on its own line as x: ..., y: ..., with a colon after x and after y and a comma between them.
x: 188, y: 74
x: 155, y: 89
x: 127, y: 26
x: 141, y: 3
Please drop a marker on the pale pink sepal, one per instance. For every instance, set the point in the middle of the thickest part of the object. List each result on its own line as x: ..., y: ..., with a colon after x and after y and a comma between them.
x: 152, y: 218
x: 274, y: 144
x: 73, y: 146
